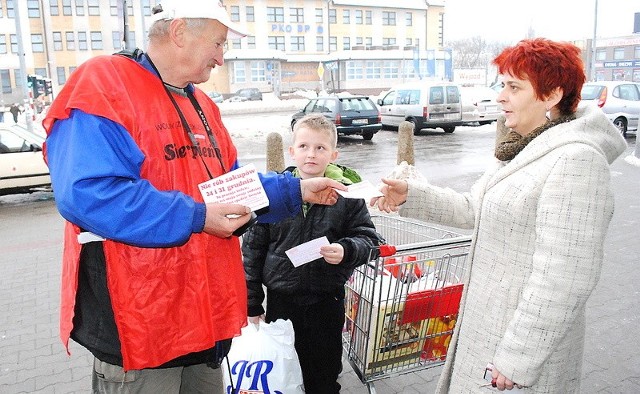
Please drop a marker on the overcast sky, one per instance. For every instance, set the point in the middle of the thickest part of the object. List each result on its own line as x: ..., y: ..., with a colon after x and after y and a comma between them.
x: 509, y: 20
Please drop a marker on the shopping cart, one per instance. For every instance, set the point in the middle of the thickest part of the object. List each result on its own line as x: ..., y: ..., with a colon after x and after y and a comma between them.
x: 401, y: 308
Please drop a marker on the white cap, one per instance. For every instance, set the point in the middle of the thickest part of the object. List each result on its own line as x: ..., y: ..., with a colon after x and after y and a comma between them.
x: 208, y: 9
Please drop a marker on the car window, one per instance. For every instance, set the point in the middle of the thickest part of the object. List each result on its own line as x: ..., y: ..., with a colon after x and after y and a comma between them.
x: 453, y: 96
x: 330, y: 105
x: 389, y: 98
x: 408, y: 97
x: 626, y: 92
x: 11, y: 143
x: 310, y: 105
x: 436, y: 95
x: 590, y: 92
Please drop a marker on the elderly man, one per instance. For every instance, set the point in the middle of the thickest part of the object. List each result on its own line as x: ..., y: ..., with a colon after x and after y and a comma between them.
x: 152, y: 283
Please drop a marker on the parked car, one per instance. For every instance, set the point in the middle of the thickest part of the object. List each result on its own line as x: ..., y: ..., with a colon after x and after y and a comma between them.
x: 428, y: 105
x: 620, y: 101
x: 216, y: 97
x: 22, y: 167
x: 479, y: 105
x: 351, y: 115
x: 249, y: 94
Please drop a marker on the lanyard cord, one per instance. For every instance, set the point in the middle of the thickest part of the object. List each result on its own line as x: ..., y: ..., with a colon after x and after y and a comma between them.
x: 185, y: 125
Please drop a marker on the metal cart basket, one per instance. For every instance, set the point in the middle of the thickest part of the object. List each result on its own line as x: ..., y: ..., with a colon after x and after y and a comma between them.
x: 401, y: 308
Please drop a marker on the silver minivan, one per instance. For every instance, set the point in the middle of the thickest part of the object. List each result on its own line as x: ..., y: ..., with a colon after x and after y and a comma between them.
x: 619, y: 100
x: 428, y: 105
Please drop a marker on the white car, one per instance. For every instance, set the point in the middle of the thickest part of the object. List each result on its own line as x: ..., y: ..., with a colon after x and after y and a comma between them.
x: 22, y: 166
x: 619, y: 100
x: 479, y: 105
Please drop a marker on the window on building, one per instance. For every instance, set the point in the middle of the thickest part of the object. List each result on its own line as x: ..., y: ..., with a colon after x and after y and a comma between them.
x: 332, y: 16
x: 236, y: 43
x: 57, y: 41
x: 1, y: 10
x: 372, y: 69
x: 387, y: 41
x: 71, y: 41
x: 333, y: 44
x: 417, y: 42
x: 258, y: 71
x: 408, y: 42
x: 409, y: 19
x: 388, y: 18
x: 72, y: 69
x: 116, y: 41
x: 636, y: 52
x: 37, y: 45
x: 113, y: 7
x: 390, y: 69
x: 319, y: 15
x: 296, y: 15
x: 14, y: 43
x: 62, y: 77
x: 368, y: 41
x: 359, y: 41
x: 346, y: 43
x: 3, y: 44
x: 319, y: 44
x: 251, y: 42
x: 359, y: 19
x: 11, y: 12
x: 41, y: 71
x: 275, y: 14
x: 367, y: 18
x: 251, y: 16
x: 130, y: 8
x: 82, y: 40
x: 441, y: 29
x: 618, y: 53
x: 96, y: 40
x: 66, y: 7
x: 33, y: 8
x: 346, y: 17
x: 276, y: 42
x: 601, y: 54
x: 6, y: 80
x: 235, y: 13
x: 354, y: 70
x: 239, y: 72
x: 80, y: 7
x: 54, y: 10
x: 297, y: 43
x: 93, y: 7
x: 146, y: 7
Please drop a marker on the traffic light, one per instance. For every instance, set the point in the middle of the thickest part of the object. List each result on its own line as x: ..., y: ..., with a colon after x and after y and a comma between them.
x: 32, y: 83
x: 48, y: 87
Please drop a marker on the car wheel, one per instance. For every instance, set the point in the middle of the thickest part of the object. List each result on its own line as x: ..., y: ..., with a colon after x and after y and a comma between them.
x: 416, y: 129
x: 621, y: 124
x: 449, y: 129
x: 367, y: 135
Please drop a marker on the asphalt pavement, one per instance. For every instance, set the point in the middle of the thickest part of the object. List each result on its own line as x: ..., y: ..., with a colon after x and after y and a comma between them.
x: 32, y: 359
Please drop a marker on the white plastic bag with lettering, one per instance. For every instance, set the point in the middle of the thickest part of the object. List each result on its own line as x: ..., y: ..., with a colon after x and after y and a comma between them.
x: 263, y: 359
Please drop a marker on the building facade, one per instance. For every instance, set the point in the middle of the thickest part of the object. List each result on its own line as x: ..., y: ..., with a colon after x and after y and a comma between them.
x: 358, y: 45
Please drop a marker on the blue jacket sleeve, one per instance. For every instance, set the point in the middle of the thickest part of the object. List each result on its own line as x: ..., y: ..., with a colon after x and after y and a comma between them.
x: 283, y: 191
x: 97, y: 185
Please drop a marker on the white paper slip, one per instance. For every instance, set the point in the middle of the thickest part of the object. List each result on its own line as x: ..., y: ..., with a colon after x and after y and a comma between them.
x: 364, y: 190
x: 240, y: 186
x: 307, y: 251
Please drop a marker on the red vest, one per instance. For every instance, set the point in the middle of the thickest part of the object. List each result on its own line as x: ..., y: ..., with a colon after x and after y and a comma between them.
x: 167, y: 302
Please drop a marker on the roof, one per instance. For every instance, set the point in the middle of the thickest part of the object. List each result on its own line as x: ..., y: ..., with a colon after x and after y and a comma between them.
x: 405, y: 4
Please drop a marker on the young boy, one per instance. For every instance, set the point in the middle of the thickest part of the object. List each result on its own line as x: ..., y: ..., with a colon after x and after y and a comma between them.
x: 311, y: 295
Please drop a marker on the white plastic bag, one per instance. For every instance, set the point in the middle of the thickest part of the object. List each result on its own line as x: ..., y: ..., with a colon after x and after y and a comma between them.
x: 263, y: 359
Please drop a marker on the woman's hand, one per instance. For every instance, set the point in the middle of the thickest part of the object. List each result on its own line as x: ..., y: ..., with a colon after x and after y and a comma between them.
x: 255, y: 319
x: 501, y: 381
x: 395, y: 194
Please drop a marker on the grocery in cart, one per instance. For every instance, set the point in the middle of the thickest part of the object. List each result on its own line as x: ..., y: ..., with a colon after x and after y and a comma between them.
x: 402, y: 307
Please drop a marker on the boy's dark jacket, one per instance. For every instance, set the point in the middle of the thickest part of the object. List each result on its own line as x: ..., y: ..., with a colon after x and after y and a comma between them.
x: 263, y: 247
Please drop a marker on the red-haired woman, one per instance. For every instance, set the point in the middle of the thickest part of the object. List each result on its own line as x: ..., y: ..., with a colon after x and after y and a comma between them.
x: 540, y: 215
